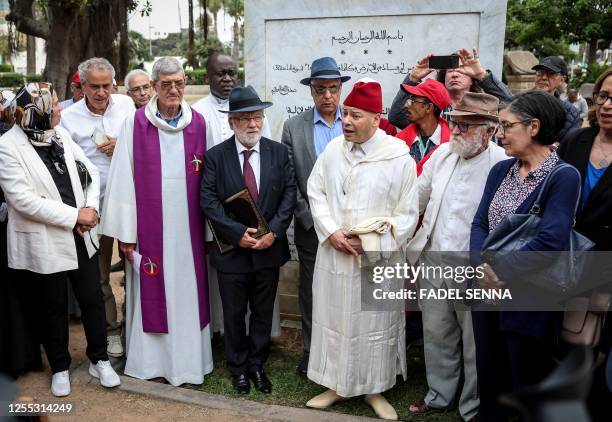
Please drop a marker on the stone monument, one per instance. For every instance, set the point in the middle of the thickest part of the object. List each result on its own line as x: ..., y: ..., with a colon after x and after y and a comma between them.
x: 381, y: 40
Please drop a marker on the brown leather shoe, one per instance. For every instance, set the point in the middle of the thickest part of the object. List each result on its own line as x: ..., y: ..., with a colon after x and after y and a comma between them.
x: 419, y: 407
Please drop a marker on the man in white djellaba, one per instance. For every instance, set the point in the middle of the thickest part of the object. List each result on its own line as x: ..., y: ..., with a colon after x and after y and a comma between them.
x: 363, y: 178
x: 152, y: 208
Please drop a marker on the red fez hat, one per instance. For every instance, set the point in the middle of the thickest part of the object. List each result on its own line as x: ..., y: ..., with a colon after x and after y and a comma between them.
x: 431, y: 89
x: 75, y: 77
x: 365, y: 95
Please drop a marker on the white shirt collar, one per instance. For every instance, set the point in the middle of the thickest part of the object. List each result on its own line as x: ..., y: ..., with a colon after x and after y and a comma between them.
x: 435, y: 137
x: 108, y: 107
x: 218, y: 101
x: 240, y: 147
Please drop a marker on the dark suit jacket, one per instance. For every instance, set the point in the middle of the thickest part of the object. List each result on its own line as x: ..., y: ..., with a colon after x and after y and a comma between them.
x: 298, y: 135
x: 594, y: 220
x: 223, y: 178
x: 555, y: 227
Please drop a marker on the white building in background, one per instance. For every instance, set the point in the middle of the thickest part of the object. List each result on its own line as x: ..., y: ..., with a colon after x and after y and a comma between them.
x: 20, y: 60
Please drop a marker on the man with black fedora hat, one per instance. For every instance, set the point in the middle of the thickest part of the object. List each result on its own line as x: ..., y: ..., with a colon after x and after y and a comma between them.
x: 248, y: 273
x: 306, y: 136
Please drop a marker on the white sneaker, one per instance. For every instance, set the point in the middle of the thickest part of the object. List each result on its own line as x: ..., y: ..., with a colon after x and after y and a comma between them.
x: 114, y: 347
x: 105, y: 372
x: 60, y: 384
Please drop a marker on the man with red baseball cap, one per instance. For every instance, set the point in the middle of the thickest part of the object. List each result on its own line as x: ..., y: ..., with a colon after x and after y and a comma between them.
x: 424, y: 104
x: 363, y: 196
x: 75, y: 88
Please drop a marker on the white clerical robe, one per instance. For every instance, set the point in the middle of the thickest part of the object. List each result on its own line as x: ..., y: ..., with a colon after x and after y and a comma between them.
x: 184, y: 354
x: 217, y: 131
x: 355, y: 352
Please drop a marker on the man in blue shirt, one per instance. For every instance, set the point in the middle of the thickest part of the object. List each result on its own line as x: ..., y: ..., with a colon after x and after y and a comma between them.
x: 306, y: 135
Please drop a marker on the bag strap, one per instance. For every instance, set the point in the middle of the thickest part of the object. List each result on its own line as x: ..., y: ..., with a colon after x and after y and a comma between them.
x: 536, y: 208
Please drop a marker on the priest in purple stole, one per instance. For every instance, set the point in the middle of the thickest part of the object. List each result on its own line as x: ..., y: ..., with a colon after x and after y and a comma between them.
x: 152, y: 208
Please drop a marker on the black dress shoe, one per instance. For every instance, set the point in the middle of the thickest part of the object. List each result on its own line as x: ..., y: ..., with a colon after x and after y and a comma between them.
x: 241, y: 384
x: 261, y: 381
x: 302, y: 368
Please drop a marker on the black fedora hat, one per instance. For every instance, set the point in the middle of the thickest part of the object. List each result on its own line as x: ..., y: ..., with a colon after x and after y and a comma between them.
x: 324, y: 68
x: 243, y: 99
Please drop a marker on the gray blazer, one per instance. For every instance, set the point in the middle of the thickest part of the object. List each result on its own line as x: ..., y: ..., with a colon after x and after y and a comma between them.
x: 298, y: 135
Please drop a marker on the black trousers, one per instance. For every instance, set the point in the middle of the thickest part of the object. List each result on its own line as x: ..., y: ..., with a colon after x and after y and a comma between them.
x: 45, y: 296
x: 257, y: 290
x: 306, y: 243
x: 505, y: 362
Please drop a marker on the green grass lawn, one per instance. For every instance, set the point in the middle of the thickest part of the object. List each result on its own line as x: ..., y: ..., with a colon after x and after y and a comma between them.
x: 291, y: 390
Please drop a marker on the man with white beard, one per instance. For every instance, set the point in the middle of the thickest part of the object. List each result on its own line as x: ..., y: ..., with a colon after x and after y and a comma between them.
x: 248, y: 273
x: 450, y: 188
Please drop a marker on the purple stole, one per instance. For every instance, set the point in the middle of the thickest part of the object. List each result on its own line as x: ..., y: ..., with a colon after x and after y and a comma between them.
x: 148, y: 184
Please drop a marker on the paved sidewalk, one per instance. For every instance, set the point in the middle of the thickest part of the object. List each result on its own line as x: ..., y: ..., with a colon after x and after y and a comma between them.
x: 138, y: 400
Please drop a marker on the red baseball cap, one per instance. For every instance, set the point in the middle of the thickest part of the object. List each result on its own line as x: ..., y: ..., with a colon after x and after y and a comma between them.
x: 431, y: 89
x: 75, y: 77
x: 365, y: 95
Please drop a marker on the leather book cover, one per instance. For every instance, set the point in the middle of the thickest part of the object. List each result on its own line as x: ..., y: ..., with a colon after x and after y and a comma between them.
x: 240, y: 207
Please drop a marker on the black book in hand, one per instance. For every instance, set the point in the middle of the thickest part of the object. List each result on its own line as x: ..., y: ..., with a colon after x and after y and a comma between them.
x: 241, y: 208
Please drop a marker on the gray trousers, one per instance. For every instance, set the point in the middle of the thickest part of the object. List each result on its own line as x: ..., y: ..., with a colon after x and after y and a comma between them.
x: 113, y: 327
x: 448, y: 336
x: 306, y: 243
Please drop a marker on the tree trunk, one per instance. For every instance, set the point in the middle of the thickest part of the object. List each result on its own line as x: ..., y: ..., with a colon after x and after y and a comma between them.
x: 216, y: 23
x: 592, y: 50
x: 124, y: 46
x: 60, y: 60
x: 31, y: 54
x: 73, y: 34
x: 236, y: 46
x: 191, y: 46
x: 205, y: 20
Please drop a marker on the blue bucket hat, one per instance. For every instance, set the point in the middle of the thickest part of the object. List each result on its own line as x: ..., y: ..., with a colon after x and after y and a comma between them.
x: 324, y: 68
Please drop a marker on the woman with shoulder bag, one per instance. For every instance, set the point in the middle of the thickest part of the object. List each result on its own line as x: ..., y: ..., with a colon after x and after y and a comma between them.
x: 514, y: 348
x: 51, y: 231
x: 590, y: 151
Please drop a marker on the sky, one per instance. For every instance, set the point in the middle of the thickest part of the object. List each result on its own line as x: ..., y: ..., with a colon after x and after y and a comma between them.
x: 164, y: 19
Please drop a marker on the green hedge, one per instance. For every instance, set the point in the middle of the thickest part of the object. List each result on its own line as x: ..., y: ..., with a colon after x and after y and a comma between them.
x: 6, y: 67
x: 14, y: 80
x: 196, y: 77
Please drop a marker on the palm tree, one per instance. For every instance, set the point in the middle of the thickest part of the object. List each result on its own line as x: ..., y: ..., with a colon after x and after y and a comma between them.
x: 235, y: 8
x: 212, y: 6
x: 191, y: 46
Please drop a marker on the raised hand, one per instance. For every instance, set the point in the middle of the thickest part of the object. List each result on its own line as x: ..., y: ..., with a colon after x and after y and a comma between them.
x: 470, y: 64
x: 421, y: 69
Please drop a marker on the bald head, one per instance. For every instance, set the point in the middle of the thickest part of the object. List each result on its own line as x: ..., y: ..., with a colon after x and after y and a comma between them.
x: 222, y: 74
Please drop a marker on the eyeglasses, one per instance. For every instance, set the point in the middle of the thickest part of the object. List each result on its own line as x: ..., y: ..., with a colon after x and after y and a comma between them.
x: 502, y: 127
x: 601, y: 97
x: 320, y: 90
x: 546, y: 72
x: 166, y: 85
x: 142, y: 88
x: 246, y: 120
x: 463, y: 126
x: 411, y: 100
